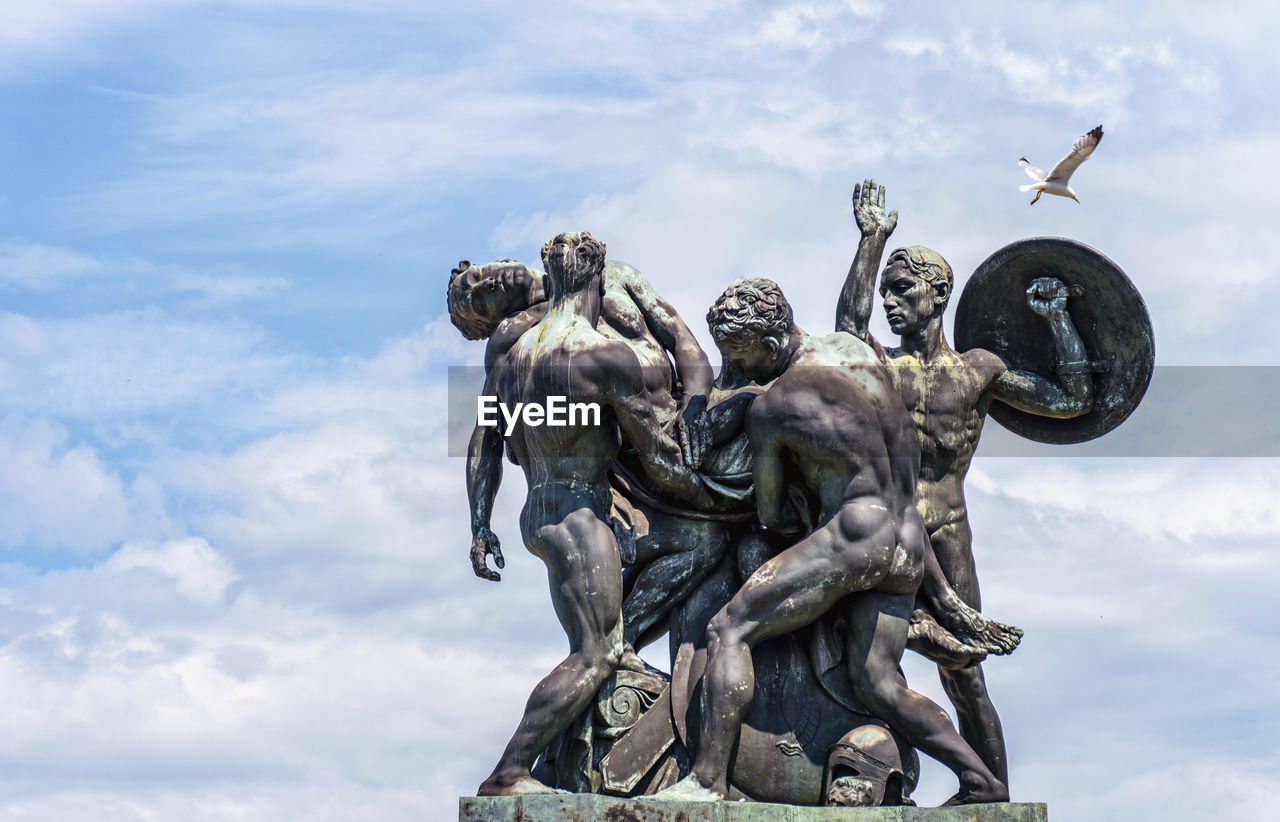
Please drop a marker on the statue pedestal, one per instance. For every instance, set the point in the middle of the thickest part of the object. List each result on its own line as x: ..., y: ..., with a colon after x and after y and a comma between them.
x: 586, y: 807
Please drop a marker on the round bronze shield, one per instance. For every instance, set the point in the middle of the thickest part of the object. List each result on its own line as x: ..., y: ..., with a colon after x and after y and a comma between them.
x: 1107, y: 311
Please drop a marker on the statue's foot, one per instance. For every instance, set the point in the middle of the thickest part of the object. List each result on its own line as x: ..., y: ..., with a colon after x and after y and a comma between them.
x: 974, y: 628
x: 523, y: 785
x: 935, y: 643
x: 688, y: 789
x: 976, y: 789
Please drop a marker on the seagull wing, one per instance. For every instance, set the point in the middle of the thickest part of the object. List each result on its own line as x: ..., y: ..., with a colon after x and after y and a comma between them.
x: 1080, y: 151
x: 1034, y: 173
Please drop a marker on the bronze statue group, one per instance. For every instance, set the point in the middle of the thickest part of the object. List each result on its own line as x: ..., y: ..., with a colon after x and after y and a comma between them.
x: 792, y: 524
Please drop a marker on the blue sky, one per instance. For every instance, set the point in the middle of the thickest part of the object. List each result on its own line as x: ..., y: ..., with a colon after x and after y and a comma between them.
x: 233, y: 571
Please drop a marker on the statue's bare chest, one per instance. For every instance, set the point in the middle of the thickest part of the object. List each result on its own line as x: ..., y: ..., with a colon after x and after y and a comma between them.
x: 945, y: 399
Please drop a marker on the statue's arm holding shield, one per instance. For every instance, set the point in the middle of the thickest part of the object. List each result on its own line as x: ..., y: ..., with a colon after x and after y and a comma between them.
x: 1070, y: 396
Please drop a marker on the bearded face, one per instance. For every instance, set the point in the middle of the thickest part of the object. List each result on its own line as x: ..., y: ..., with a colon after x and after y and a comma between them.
x: 573, y: 259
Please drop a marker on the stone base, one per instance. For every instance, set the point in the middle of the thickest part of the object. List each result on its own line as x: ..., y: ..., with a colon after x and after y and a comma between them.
x: 586, y: 807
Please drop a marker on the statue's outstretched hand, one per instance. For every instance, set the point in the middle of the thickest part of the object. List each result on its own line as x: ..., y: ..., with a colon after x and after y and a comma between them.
x: 693, y: 431
x: 484, y: 543
x: 1047, y: 295
x: 868, y: 209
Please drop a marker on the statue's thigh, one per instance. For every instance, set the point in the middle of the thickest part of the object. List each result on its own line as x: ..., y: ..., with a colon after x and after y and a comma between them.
x: 953, y: 546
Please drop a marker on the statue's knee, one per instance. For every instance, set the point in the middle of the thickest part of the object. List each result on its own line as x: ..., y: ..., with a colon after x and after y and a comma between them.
x: 878, y: 694
x: 599, y: 662
x: 721, y: 631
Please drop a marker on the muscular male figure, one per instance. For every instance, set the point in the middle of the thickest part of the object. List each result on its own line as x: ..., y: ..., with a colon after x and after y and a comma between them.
x: 948, y: 393
x: 832, y: 426
x: 565, y: 518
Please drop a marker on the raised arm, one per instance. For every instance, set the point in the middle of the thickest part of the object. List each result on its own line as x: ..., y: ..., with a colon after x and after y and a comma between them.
x: 1071, y: 395
x: 853, y: 310
x: 692, y: 364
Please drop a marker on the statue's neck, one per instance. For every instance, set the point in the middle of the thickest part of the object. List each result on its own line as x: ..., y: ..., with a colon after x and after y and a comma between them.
x: 795, y: 342
x: 585, y: 303
x: 927, y: 343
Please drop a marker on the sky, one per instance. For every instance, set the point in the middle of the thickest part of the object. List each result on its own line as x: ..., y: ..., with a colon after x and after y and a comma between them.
x: 234, y: 580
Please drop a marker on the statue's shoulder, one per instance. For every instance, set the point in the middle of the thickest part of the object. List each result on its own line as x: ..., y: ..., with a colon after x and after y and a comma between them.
x: 617, y: 268
x: 618, y: 274
x: 983, y: 360
x: 774, y: 404
x: 848, y: 348
x: 512, y: 327
x: 794, y: 386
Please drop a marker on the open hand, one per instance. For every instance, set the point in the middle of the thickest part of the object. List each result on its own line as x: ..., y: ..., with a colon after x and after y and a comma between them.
x: 868, y: 209
x: 693, y: 431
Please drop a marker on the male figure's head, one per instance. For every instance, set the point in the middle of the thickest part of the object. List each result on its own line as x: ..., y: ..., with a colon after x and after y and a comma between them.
x: 481, y: 296
x: 753, y: 327
x: 572, y: 261
x: 915, y: 284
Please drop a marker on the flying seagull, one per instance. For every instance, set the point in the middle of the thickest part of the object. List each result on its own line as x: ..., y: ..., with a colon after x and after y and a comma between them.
x: 1055, y: 182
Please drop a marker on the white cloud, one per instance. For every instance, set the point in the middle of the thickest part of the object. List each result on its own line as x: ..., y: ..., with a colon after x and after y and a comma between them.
x: 1187, y: 500
x: 1092, y: 65
x: 401, y: 383
x: 914, y: 46
x: 669, y: 11
x: 50, y: 24
x: 150, y: 713
x: 811, y: 26
x: 1244, y: 793
x: 1048, y: 79
x: 297, y: 144
x: 224, y: 288
x: 33, y: 265
x: 130, y: 362
x: 200, y: 573
x: 46, y: 268
x: 60, y: 494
